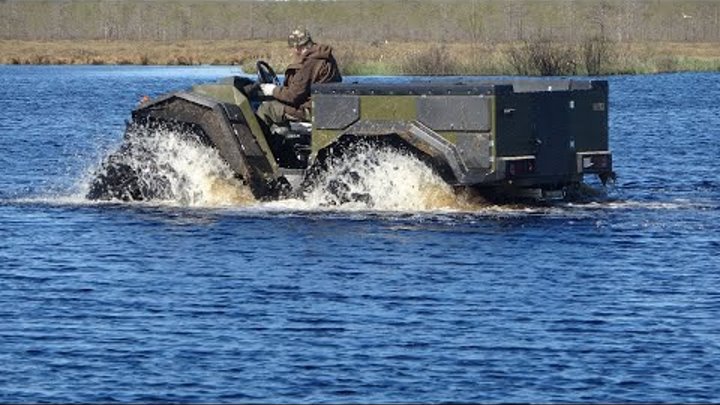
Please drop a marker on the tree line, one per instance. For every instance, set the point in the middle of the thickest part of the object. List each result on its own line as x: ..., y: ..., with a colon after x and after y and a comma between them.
x: 369, y: 21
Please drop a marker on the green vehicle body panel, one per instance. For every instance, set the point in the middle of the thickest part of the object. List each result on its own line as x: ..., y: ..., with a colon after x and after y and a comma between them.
x: 486, y: 134
x: 551, y: 127
x: 230, y: 95
x: 388, y: 108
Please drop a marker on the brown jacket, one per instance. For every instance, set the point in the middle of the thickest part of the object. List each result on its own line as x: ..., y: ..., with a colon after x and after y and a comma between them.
x: 316, y: 65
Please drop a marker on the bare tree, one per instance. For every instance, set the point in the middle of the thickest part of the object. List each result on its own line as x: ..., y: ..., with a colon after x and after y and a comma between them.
x: 474, y: 22
x: 515, y: 13
x: 599, y: 16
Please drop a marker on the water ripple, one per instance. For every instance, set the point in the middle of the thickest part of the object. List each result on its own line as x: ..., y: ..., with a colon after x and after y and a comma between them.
x: 609, y: 301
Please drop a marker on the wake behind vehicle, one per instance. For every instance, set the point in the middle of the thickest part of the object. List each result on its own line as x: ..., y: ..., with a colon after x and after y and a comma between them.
x: 505, y: 139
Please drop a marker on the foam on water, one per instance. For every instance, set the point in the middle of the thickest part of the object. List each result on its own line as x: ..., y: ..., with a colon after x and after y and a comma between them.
x: 182, y: 172
x: 196, y: 174
x: 382, y: 179
x: 174, y: 168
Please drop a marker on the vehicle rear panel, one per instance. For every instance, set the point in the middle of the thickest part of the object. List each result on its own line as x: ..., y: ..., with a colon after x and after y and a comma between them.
x: 528, y: 133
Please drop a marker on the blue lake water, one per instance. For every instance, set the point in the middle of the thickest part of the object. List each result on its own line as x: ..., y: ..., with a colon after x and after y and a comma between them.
x: 292, y: 302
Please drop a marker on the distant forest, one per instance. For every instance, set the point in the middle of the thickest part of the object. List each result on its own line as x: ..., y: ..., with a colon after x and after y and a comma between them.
x: 370, y: 21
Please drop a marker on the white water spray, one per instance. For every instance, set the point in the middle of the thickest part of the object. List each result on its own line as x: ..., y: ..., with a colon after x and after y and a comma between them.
x: 173, y: 167
x: 383, y: 179
x: 196, y: 174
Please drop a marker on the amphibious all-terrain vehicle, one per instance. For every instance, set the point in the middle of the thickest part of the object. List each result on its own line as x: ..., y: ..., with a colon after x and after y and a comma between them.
x: 508, y: 138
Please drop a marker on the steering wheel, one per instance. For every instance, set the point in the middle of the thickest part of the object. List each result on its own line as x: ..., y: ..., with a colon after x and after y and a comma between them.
x: 266, y: 74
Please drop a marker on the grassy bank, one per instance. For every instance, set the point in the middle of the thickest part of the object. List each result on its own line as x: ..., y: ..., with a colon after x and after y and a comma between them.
x: 359, y: 58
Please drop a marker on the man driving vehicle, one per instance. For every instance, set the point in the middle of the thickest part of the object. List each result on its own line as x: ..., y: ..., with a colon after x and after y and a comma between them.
x: 314, y: 63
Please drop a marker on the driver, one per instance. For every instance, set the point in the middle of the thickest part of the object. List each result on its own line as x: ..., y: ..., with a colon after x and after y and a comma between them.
x: 314, y: 63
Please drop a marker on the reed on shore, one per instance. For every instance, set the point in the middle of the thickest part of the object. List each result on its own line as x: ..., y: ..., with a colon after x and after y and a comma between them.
x: 387, y: 58
x: 428, y: 37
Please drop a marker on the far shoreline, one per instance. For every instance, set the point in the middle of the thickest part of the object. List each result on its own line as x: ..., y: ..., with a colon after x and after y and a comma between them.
x: 358, y: 59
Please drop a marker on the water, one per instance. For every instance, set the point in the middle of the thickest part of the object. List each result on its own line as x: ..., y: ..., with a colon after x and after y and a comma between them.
x: 208, y: 296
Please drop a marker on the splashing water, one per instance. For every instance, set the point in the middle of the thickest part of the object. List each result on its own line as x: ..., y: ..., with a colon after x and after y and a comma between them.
x: 172, y: 167
x: 383, y: 179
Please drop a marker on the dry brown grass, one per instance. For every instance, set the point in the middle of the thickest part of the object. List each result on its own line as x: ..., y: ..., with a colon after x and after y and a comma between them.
x: 354, y: 57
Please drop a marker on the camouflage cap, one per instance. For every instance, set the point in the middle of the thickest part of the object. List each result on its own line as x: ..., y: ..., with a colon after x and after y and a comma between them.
x: 299, y: 37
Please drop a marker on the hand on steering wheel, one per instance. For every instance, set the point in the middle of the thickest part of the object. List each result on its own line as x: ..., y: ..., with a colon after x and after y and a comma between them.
x: 267, y: 89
